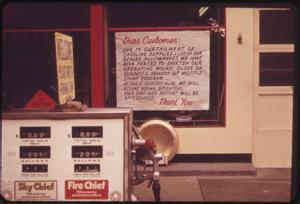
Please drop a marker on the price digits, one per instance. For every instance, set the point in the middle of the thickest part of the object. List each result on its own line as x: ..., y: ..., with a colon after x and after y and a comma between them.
x: 88, y: 134
x: 35, y: 132
x: 87, y: 167
x: 86, y: 151
x: 34, y: 152
x: 87, y: 131
x: 34, y: 168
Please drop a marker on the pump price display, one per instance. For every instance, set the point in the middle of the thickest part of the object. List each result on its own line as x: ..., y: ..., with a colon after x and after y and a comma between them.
x: 34, y: 168
x: 87, y: 167
x: 34, y: 152
x: 87, y: 132
x: 35, y: 132
x: 87, y: 152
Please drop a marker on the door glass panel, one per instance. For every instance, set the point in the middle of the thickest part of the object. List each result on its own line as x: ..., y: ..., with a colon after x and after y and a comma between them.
x: 276, y: 69
x: 277, y: 26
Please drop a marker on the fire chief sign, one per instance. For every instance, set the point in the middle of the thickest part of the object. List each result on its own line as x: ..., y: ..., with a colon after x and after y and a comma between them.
x: 86, y: 189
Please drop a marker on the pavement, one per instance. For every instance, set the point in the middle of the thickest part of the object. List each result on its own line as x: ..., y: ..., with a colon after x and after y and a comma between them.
x: 218, y: 182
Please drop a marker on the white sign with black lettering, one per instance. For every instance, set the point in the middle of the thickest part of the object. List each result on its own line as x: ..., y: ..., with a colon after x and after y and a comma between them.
x: 163, y: 70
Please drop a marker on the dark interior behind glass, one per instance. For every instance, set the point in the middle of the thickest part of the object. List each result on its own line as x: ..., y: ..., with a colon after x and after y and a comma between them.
x: 175, y: 15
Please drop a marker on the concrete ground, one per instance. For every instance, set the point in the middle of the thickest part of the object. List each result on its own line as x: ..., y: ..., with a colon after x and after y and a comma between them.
x: 220, y: 183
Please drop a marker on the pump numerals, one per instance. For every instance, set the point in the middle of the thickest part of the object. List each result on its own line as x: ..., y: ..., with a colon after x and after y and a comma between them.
x: 87, y: 167
x: 87, y: 151
x: 87, y: 132
x: 34, y: 152
x: 35, y: 132
x: 34, y: 168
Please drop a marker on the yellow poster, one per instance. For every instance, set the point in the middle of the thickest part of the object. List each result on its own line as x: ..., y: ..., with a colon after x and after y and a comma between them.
x: 65, y: 67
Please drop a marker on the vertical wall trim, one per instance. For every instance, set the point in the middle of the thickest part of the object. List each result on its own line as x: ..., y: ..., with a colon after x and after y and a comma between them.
x: 97, y: 55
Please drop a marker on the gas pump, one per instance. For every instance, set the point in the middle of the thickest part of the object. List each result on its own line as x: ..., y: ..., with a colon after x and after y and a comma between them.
x: 88, y: 155
x: 146, y: 148
x: 75, y: 153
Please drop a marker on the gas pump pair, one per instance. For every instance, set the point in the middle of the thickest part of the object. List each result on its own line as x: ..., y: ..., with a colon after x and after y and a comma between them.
x: 146, y: 148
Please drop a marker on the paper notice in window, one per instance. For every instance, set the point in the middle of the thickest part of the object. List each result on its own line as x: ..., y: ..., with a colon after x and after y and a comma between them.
x: 65, y: 67
x: 163, y: 70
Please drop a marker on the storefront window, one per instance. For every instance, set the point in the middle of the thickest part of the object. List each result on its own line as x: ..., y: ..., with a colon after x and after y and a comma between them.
x: 18, y: 15
x: 155, y: 92
x: 163, y: 14
x: 28, y: 50
x: 29, y: 57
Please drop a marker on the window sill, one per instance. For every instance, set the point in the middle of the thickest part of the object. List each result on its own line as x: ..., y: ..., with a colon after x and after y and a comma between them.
x: 275, y: 90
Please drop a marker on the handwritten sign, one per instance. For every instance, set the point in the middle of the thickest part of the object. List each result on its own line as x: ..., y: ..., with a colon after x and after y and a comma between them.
x: 163, y: 70
x: 65, y: 67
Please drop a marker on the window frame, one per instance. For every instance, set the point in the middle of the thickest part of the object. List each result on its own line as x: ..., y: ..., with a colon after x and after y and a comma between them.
x: 84, y: 86
x: 220, y: 119
x: 268, y: 48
